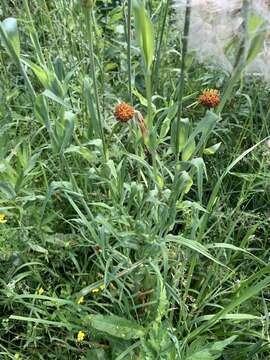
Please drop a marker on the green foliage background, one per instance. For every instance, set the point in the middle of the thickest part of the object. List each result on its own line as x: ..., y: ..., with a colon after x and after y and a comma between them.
x: 166, y: 237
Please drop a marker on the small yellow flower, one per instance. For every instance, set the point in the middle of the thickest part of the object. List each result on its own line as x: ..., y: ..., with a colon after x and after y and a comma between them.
x: 40, y: 291
x: 81, y: 336
x: 80, y: 300
x: 97, y: 290
x: 3, y: 219
x: 17, y: 356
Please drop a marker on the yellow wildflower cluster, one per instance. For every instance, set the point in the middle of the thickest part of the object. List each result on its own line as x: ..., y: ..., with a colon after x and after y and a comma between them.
x: 97, y: 290
x: 40, y: 291
x: 81, y: 336
x: 80, y: 300
x: 3, y: 219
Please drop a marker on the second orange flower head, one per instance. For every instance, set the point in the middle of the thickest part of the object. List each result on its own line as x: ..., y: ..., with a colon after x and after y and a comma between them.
x: 210, y: 98
x: 124, y: 112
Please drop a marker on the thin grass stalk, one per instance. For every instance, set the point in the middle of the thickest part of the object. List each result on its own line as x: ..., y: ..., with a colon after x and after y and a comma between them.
x: 66, y: 167
x: 34, y: 35
x: 4, y: 7
x: 214, y: 194
x: 129, y: 51
x: 158, y: 52
x: 182, y: 72
x: 4, y: 73
x: 89, y: 31
x: 151, y: 130
x: 150, y: 7
x: 240, y: 60
x: 148, y: 83
x: 246, y: 293
x: 48, y: 20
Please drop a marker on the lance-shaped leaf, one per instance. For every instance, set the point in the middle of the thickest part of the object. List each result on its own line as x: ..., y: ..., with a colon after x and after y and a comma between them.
x: 10, y: 36
x: 144, y: 32
x: 117, y: 326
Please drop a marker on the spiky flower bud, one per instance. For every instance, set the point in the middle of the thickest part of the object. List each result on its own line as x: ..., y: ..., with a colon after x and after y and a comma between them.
x: 124, y: 112
x: 210, y: 98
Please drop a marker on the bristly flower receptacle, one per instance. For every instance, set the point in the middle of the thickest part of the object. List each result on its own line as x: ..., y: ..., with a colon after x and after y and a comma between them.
x: 210, y: 98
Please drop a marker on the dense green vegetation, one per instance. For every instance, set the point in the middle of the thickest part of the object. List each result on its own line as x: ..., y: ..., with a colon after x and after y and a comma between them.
x: 145, y: 239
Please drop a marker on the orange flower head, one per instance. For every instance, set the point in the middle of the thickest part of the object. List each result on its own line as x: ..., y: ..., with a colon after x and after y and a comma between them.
x: 124, y: 112
x: 210, y: 98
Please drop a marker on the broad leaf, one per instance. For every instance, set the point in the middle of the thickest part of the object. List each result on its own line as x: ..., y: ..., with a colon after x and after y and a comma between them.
x: 211, y: 351
x: 117, y: 326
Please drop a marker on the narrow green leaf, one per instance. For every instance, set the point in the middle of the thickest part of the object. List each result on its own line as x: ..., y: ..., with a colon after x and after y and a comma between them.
x: 212, y: 149
x: 38, y: 248
x: 68, y: 130
x: 39, y: 321
x: 49, y: 94
x: 42, y: 111
x: 7, y: 190
x: 144, y: 32
x: 193, y: 245
x: 256, y: 46
x: 238, y: 299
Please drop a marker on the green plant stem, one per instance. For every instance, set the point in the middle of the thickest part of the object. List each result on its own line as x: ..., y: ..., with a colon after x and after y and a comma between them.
x: 66, y: 167
x: 89, y: 29
x: 149, y: 99
x: 214, y: 193
x: 240, y: 60
x: 149, y: 123
x: 34, y: 35
x: 129, y: 51
x: 4, y: 8
x: 158, y: 52
x: 182, y: 72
